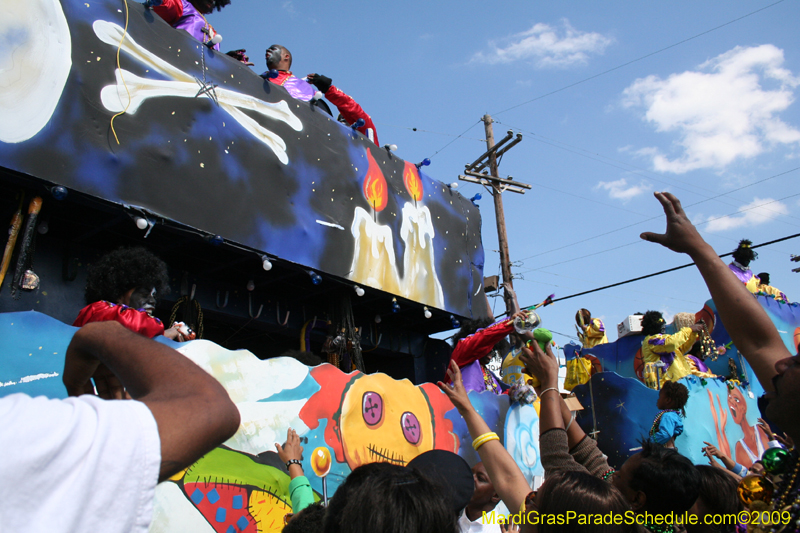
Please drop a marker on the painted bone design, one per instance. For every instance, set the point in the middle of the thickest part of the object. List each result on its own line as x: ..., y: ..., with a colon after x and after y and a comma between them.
x: 115, y: 97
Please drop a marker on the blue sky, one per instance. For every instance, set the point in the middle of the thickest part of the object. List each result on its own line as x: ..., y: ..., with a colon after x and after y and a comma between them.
x: 702, y: 118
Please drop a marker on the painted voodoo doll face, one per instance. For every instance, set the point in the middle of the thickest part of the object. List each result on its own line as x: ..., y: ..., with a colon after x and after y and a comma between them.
x: 383, y: 420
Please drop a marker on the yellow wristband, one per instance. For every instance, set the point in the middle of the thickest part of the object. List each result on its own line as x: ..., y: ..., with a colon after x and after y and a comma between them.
x: 477, y: 445
x: 483, y: 439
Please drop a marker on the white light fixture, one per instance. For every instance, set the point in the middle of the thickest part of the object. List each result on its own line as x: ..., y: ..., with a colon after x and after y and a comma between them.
x: 427, y: 312
x: 266, y: 264
x: 141, y: 222
x: 359, y: 290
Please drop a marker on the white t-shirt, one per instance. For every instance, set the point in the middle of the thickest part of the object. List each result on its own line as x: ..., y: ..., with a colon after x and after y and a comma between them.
x: 81, y: 464
x: 467, y: 526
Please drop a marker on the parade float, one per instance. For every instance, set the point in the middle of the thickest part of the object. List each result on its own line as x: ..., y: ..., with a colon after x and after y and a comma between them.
x: 282, y: 229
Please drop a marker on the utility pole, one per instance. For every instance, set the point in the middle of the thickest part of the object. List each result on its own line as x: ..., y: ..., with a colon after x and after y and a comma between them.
x: 498, y: 185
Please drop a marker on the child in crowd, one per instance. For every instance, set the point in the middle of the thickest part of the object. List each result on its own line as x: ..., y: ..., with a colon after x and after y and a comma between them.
x: 668, y: 423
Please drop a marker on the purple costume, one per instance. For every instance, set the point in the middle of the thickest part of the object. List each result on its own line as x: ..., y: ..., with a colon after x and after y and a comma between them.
x: 182, y: 15
x: 472, y: 374
x: 297, y: 88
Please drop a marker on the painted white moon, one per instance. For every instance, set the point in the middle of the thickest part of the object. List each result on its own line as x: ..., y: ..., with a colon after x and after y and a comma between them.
x: 35, y: 61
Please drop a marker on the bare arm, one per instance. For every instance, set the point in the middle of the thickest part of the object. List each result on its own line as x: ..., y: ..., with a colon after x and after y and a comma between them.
x: 750, y: 328
x: 193, y: 412
x: 544, y: 365
x: 291, y: 450
x: 506, y: 476
x: 711, y: 451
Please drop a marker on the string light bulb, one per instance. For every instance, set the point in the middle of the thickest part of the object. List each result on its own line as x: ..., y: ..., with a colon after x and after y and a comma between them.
x: 427, y: 312
x: 59, y: 192
x: 266, y: 264
x: 395, y: 305
x: 359, y: 290
x: 316, y: 279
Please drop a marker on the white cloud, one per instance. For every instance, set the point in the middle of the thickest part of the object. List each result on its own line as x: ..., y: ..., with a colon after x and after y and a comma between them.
x: 288, y: 6
x: 620, y: 190
x: 545, y: 46
x: 759, y: 211
x: 721, y: 112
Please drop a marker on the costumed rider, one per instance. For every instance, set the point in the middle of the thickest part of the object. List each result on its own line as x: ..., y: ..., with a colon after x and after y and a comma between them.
x: 513, y: 370
x: 189, y: 15
x: 280, y: 59
x: 474, y: 346
x: 591, y: 331
x: 742, y: 256
x: 671, y: 349
x: 477, y: 342
x: 668, y: 423
x: 349, y: 110
x: 122, y: 286
x: 765, y: 288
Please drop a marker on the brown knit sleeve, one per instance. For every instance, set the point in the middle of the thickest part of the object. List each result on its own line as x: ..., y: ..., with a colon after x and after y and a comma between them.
x: 555, y: 453
x: 589, y: 455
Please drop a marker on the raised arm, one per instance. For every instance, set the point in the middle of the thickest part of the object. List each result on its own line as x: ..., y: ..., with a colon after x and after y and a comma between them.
x: 750, y: 328
x: 193, y: 412
x: 570, y: 451
x: 506, y: 476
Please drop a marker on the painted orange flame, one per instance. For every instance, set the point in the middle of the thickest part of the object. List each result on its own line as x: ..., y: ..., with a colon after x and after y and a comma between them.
x: 375, y: 188
x: 412, y: 182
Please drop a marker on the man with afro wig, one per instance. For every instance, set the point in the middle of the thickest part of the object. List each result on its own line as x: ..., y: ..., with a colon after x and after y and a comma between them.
x: 122, y: 286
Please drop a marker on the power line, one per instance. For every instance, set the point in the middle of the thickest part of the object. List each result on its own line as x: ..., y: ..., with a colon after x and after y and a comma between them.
x: 638, y: 58
x: 649, y: 175
x: 639, y: 241
x: 665, y: 271
x: 459, y: 136
x: 420, y: 130
x: 659, y: 216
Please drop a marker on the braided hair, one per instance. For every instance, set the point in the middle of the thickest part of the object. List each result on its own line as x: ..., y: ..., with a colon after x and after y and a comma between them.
x: 678, y: 395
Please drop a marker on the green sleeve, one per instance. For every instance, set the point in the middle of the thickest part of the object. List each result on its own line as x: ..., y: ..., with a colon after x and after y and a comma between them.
x: 301, y: 494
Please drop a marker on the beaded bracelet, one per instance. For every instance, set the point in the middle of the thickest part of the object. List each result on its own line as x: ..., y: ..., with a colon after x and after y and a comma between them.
x: 291, y: 462
x: 483, y: 439
x: 548, y: 390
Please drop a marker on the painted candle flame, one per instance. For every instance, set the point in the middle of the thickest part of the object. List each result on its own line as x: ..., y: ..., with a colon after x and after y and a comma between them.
x: 375, y: 189
x: 412, y: 182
